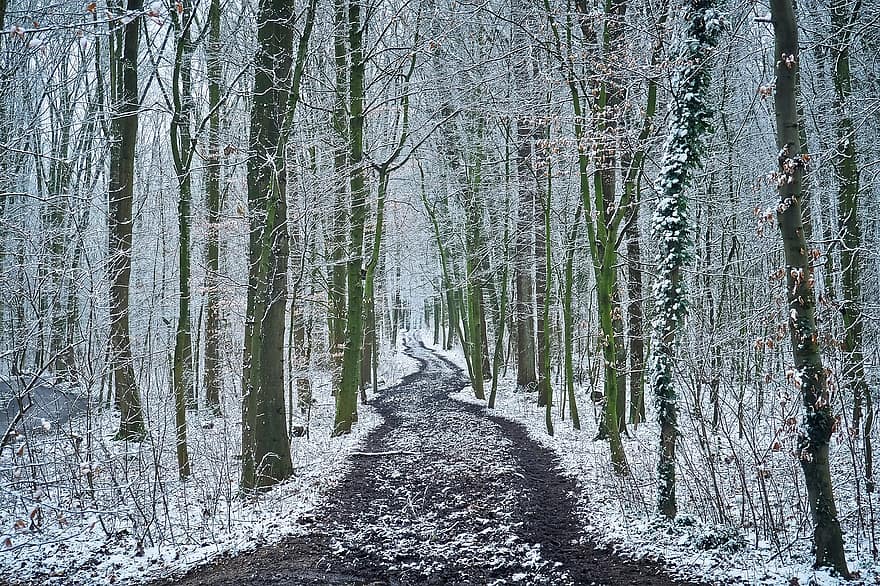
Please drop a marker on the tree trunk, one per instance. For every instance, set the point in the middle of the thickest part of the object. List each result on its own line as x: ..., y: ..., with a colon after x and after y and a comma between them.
x: 182, y: 151
x: 123, y: 129
x: 526, y: 377
x: 689, y: 121
x: 542, y: 274
x: 846, y: 169
x: 498, y: 354
x: 620, y: 353
x: 337, y: 289
x: 568, y: 319
x: 213, y: 381
x: 265, y: 443
x: 346, y: 400
x: 547, y: 385
x: 635, y: 315
x: 810, y: 374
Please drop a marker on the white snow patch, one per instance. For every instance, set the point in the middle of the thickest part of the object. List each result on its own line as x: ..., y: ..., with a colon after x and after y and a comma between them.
x: 619, y: 512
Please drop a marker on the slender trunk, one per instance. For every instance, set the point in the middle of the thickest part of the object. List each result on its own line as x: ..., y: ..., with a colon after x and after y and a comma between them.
x: 811, y: 377
x: 123, y: 129
x: 635, y: 315
x: 337, y: 291
x: 568, y: 319
x: 346, y: 399
x: 437, y: 318
x: 847, y: 172
x: 498, y: 355
x: 213, y: 320
x: 526, y: 376
x: 181, y: 148
x: 620, y: 353
x: 544, y: 353
x: 542, y: 274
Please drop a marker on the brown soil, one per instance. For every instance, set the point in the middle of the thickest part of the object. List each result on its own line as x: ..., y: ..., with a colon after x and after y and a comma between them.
x: 458, y: 497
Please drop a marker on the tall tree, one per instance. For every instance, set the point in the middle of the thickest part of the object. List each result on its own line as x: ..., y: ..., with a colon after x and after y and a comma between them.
x: 847, y: 172
x: 603, y: 210
x: 265, y: 443
x: 337, y: 271
x: 213, y: 381
x: 123, y: 130
x: 346, y: 398
x: 182, y: 150
x: 689, y: 121
x: 815, y: 431
x: 528, y: 184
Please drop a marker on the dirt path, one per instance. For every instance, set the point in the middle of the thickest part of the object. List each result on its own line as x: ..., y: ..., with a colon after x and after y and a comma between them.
x: 441, y: 494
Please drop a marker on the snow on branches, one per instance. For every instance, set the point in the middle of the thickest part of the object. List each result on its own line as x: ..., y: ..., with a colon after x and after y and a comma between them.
x: 690, y: 120
x: 690, y: 117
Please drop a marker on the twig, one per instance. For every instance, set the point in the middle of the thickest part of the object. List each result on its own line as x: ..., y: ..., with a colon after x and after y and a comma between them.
x: 391, y: 453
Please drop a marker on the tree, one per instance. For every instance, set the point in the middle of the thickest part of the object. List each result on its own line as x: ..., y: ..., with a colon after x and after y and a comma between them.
x: 847, y: 172
x: 346, y: 398
x: 213, y: 202
x: 337, y: 270
x: 689, y: 122
x: 810, y: 376
x: 182, y: 150
x: 603, y: 210
x: 123, y: 131
x: 265, y: 443
x: 527, y: 187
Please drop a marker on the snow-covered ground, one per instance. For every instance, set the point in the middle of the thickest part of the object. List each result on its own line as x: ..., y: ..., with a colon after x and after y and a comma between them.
x: 131, y: 520
x: 619, y: 511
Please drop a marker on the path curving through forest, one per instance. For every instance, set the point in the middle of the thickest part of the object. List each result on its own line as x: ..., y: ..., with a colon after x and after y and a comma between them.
x: 440, y: 493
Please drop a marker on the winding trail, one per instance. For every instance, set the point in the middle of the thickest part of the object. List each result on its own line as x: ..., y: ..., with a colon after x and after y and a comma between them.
x: 440, y: 493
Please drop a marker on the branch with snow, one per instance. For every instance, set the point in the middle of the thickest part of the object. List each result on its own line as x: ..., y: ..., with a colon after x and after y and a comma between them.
x: 689, y: 122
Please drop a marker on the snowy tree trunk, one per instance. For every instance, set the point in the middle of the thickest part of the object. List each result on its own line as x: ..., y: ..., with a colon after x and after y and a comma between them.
x: 265, y: 443
x: 690, y: 117
x: 346, y: 399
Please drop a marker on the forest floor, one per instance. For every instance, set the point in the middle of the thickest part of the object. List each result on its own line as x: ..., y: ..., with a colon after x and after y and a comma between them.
x: 440, y: 493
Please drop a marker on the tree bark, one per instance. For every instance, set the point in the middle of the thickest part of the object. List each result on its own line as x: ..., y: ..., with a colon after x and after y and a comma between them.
x: 810, y: 374
x: 346, y: 399
x: 337, y: 289
x: 182, y: 149
x: 682, y: 153
x: 265, y: 443
x: 213, y: 381
x: 526, y: 376
x: 847, y: 172
x: 123, y: 130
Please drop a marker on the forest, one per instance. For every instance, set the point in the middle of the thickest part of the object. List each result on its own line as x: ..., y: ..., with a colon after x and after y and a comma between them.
x: 262, y: 259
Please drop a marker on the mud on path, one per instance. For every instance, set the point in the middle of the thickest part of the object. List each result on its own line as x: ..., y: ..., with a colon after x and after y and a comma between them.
x: 440, y: 493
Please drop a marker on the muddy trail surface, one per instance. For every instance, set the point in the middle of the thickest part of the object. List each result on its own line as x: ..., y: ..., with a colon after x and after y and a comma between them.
x: 440, y: 493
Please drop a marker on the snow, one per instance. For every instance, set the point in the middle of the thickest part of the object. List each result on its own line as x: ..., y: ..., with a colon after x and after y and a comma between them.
x: 85, y: 542
x: 619, y: 512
